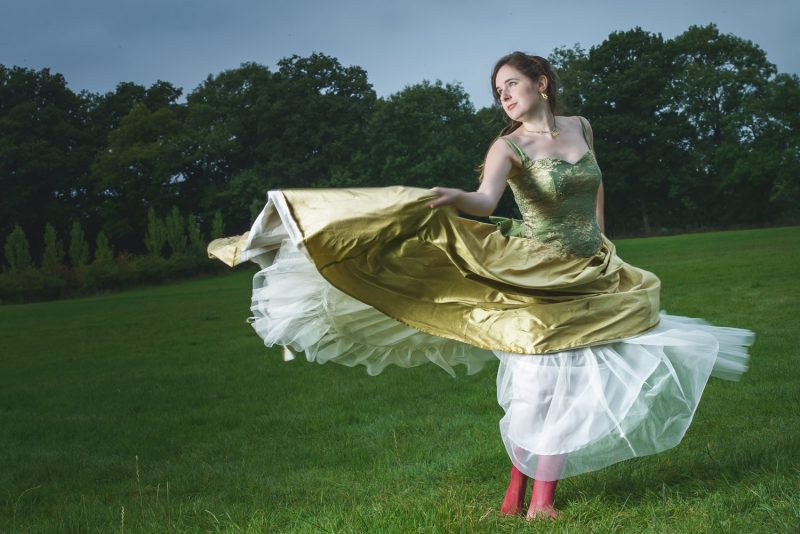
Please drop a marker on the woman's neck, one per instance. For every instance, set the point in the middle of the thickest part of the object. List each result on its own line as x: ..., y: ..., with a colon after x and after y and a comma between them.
x: 539, y: 120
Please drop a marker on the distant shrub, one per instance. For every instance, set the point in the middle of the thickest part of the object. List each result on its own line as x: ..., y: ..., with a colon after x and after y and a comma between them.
x: 30, y: 285
x: 175, y: 232
x: 196, y: 242
x: 217, y: 228
x: 155, y: 239
x: 102, y: 249
x: 53, y: 255
x: 23, y: 282
x: 103, y: 272
x: 78, y: 247
x: 149, y: 269
x: 17, y: 251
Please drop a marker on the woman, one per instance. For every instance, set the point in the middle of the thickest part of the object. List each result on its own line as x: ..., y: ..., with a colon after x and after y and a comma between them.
x: 590, y: 372
x: 525, y: 87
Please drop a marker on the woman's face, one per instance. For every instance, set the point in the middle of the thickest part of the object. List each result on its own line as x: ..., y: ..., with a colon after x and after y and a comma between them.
x: 519, y: 95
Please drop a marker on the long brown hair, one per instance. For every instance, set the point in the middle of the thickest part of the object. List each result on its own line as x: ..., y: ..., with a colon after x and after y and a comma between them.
x: 532, y: 67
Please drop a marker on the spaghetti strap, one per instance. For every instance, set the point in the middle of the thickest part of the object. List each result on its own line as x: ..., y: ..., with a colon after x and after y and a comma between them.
x: 585, y: 133
x: 516, y: 148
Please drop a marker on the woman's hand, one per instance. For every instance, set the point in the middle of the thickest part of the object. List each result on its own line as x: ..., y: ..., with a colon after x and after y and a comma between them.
x: 447, y: 195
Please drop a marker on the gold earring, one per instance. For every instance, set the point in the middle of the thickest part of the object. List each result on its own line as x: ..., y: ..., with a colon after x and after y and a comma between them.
x: 544, y: 96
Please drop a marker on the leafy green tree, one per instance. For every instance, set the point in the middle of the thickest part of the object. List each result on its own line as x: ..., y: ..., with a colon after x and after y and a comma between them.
x: 217, y: 228
x: 105, y: 115
x: 689, y: 131
x: 318, y: 122
x: 107, y: 110
x: 719, y: 90
x: 695, y: 131
x: 220, y: 134
x: 45, y: 151
x: 155, y: 238
x: 196, y: 241
x: 53, y: 255
x: 425, y: 135
x: 244, y: 190
x: 249, y: 130
x: 103, y: 252
x: 175, y: 231
x: 255, y: 208
x: 621, y: 87
x: 574, y: 78
x: 78, y: 247
x: 778, y: 141
x: 17, y: 251
x: 141, y: 168
x: 310, y: 122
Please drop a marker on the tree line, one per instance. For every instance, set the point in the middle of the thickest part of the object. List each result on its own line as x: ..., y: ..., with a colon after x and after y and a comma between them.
x: 699, y: 131
x: 175, y: 248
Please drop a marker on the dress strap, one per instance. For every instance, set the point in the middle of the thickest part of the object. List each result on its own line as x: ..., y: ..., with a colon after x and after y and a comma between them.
x: 586, y: 133
x: 516, y: 148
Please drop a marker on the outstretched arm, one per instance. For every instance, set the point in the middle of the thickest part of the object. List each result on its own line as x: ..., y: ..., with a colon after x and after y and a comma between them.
x: 496, y: 168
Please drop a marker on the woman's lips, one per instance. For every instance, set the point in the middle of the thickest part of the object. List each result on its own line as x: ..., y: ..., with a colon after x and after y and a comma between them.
x: 511, y: 106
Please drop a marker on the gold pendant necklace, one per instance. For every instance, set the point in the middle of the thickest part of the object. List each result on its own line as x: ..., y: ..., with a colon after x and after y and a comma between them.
x: 552, y: 131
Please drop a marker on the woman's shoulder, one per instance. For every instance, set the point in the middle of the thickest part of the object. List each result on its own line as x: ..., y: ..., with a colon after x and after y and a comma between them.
x: 506, y: 147
x: 576, y: 124
x: 574, y: 119
x: 507, y: 144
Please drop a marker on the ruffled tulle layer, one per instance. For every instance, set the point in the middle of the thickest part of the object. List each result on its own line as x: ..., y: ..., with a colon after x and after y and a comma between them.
x: 294, y: 306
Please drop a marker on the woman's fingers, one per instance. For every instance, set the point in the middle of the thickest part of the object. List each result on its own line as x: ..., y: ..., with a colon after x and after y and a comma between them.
x: 439, y: 200
x: 447, y: 195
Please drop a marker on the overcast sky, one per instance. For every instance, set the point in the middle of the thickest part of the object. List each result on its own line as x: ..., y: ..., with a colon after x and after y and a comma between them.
x: 96, y: 44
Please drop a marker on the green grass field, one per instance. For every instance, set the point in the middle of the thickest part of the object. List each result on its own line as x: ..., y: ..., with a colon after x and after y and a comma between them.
x: 159, y: 410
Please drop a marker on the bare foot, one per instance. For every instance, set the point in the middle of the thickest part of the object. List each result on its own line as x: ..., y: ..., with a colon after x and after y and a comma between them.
x: 515, y: 494
x: 542, y: 512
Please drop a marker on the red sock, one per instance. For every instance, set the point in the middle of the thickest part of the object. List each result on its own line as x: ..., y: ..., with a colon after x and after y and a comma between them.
x: 515, y: 494
x: 544, y: 491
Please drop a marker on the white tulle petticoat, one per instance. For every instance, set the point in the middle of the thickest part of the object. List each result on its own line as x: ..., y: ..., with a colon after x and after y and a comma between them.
x: 582, y: 409
x: 294, y: 306
x: 595, y: 406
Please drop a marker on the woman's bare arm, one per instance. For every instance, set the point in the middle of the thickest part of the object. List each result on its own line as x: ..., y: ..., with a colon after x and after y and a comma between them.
x: 499, y: 163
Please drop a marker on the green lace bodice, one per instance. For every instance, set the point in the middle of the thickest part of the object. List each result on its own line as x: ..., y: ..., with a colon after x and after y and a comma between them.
x: 557, y: 201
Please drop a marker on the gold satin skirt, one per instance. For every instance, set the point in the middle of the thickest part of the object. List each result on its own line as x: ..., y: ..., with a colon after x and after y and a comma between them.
x: 453, y: 277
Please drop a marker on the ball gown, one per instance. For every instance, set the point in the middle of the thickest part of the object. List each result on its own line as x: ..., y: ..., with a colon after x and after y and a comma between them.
x: 591, y: 371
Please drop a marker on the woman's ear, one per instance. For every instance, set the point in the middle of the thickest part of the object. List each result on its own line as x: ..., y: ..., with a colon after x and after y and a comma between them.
x: 542, y: 84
